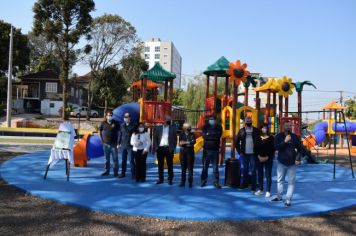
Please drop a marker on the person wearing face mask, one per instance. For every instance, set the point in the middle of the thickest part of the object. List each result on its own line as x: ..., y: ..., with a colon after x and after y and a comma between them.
x: 141, y: 142
x: 165, y: 142
x: 108, y: 136
x: 186, y: 143
x: 246, y: 141
x: 265, y: 153
x: 211, y: 133
x: 126, y: 130
x: 289, y: 149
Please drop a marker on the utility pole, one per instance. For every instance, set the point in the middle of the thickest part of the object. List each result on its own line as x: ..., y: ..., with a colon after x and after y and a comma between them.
x: 9, y: 83
x: 341, y: 97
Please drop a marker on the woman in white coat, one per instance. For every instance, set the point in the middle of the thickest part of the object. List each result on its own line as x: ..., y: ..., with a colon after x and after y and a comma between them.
x: 141, y: 142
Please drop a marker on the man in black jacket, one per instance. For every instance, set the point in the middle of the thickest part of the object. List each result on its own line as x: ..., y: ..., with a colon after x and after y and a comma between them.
x: 165, y: 142
x: 289, y: 147
x: 126, y: 130
x: 246, y: 142
x: 211, y: 133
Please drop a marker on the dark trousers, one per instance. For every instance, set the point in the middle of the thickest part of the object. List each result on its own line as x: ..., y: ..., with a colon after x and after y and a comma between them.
x: 163, y: 152
x: 250, y: 162
x: 127, y: 151
x: 140, y: 160
x: 210, y: 156
x: 265, y: 169
x: 187, y: 162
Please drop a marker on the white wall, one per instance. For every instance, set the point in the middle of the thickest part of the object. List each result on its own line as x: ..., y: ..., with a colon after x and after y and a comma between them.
x: 46, y: 108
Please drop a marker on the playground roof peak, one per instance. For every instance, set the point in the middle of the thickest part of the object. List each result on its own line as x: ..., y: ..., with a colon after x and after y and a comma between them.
x: 219, y: 67
x: 157, y: 73
x: 333, y: 105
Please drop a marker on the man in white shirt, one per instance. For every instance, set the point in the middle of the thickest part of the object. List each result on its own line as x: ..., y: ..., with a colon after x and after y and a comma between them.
x: 165, y: 142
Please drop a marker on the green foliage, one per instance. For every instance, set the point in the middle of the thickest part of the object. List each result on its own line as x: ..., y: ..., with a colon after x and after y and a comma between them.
x: 351, y: 108
x: 63, y: 23
x: 39, y: 117
x: 21, y: 50
x: 178, y: 95
x: 133, y: 64
x: 47, y: 62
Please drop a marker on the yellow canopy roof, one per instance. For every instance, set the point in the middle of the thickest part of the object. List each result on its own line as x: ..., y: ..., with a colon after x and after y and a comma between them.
x: 333, y: 105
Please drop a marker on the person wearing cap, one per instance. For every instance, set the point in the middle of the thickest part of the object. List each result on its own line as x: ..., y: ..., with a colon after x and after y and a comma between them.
x: 126, y: 130
x: 211, y: 133
x: 186, y: 143
x: 108, y: 134
x: 165, y: 142
x: 246, y: 141
x: 289, y: 148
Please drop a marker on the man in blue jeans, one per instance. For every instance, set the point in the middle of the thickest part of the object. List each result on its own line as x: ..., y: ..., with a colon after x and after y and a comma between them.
x: 289, y: 147
x: 211, y: 133
x: 126, y: 130
x: 246, y: 143
x: 108, y: 136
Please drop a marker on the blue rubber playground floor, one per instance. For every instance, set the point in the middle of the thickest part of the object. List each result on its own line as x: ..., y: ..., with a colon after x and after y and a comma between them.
x: 316, y: 191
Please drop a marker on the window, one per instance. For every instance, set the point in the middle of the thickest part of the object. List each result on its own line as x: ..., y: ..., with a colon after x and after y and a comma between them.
x: 51, y: 105
x: 51, y: 87
x: 165, y: 55
x: 72, y: 92
x: 147, y: 56
x: 165, y: 48
x: 156, y: 56
x: 165, y: 63
x: 147, y: 49
x: 157, y: 48
x: 77, y: 93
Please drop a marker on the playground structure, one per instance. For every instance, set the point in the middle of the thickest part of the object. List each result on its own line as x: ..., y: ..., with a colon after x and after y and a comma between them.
x: 225, y: 107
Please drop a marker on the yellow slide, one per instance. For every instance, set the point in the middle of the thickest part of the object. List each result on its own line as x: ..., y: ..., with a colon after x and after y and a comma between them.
x: 199, y: 142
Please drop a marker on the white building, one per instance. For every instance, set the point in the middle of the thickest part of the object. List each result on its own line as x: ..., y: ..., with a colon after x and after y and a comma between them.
x: 166, y: 54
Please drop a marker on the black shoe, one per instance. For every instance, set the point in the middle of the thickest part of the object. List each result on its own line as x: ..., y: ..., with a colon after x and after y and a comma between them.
x: 116, y: 175
x: 243, y: 186
x: 276, y: 199
x: 203, y: 184
x: 287, y: 204
x: 217, y: 185
x: 105, y: 174
x: 121, y: 176
x: 190, y: 185
x: 170, y: 182
x: 142, y: 180
x: 133, y: 176
x: 182, y: 184
x: 159, y: 182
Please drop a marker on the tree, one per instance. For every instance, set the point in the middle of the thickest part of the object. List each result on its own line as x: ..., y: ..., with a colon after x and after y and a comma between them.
x: 21, y: 50
x: 63, y: 23
x: 133, y: 64
x: 178, y: 97
x: 111, y: 38
x: 351, y: 108
x: 112, y: 87
x: 43, y: 55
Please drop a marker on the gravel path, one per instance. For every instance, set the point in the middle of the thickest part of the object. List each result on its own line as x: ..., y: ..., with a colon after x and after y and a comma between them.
x: 22, y: 214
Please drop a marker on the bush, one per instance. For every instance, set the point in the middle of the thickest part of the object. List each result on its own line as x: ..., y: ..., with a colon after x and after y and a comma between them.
x: 40, y: 117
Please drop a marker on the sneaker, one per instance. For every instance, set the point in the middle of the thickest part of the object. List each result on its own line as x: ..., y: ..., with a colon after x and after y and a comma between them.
x: 203, y: 184
x: 190, y: 185
x: 105, y: 174
x: 217, y: 185
x: 182, y: 184
x: 277, y: 199
x: 258, y: 193
x: 268, y: 194
x: 287, y: 204
x: 170, y: 182
x: 159, y: 182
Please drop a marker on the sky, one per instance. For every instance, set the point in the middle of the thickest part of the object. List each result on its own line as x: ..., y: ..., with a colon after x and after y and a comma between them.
x: 304, y: 40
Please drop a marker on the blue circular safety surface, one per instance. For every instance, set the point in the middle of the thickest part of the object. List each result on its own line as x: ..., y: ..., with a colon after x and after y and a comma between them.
x: 315, y: 192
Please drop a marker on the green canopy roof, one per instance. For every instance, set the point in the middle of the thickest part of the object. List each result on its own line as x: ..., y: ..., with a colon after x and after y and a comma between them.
x: 157, y: 73
x: 220, y: 67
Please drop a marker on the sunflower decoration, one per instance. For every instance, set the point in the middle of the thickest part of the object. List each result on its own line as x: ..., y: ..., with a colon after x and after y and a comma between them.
x: 237, y: 72
x: 285, y: 86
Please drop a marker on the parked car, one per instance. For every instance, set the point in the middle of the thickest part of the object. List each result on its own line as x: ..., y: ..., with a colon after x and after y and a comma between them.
x: 83, y: 111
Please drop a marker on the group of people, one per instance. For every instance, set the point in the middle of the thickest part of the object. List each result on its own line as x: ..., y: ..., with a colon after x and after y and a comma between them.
x: 256, y: 146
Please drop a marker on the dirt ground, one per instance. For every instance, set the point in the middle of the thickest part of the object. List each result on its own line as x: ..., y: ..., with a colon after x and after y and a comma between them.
x: 22, y: 214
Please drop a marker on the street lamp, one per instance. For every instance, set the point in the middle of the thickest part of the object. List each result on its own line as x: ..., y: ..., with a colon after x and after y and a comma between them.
x: 9, y: 83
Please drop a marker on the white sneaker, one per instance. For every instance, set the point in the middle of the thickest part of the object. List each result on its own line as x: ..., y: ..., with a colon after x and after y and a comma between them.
x: 259, y: 192
x: 268, y: 194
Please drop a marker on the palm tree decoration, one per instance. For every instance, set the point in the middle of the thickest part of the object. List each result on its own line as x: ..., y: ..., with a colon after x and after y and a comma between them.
x: 250, y: 81
x: 299, y: 86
